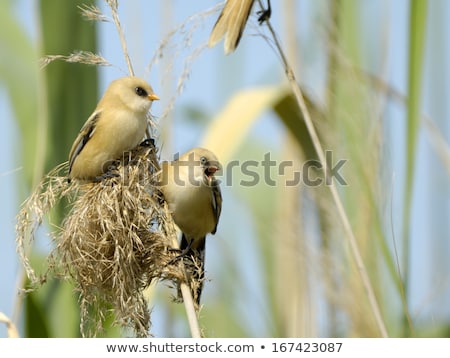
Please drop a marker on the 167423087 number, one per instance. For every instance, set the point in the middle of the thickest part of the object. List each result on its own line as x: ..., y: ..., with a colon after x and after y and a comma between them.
x: 306, y: 347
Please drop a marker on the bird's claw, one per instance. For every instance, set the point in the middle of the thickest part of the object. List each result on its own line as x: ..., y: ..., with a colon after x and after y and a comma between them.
x: 108, y: 175
x: 265, y: 14
x: 149, y: 142
x: 182, y: 253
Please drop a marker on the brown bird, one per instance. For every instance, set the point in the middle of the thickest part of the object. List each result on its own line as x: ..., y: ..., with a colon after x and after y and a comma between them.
x: 117, y: 125
x: 232, y: 21
x: 195, y: 201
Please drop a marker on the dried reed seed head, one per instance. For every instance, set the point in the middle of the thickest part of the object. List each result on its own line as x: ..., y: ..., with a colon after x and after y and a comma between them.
x: 113, y: 4
x: 92, y: 13
x: 114, y: 242
x: 194, y: 269
x: 53, y: 187
x: 116, y: 239
x: 84, y: 57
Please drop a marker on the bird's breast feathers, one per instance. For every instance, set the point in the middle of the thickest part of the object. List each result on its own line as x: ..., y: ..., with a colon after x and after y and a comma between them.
x: 193, y: 211
x: 121, y: 131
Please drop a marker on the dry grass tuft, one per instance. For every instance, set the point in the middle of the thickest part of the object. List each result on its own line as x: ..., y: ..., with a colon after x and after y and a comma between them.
x: 92, y: 13
x: 195, y: 277
x: 84, y: 57
x: 115, y: 241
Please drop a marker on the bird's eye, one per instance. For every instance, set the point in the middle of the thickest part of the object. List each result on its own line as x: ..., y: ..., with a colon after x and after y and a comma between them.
x: 203, y: 160
x: 141, y: 92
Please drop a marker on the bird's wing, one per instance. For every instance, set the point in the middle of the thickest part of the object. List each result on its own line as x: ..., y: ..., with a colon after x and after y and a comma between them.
x: 83, y: 137
x: 216, y: 203
x: 232, y: 21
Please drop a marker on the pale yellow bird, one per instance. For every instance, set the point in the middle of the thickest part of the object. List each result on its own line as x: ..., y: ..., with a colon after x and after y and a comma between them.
x: 117, y: 125
x: 232, y: 21
x: 195, y: 201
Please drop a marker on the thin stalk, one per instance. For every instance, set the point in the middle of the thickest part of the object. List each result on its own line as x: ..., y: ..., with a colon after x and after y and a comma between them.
x: 113, y: 4
x: 340, y: 208
x: 191, y: 313
x: 190, y: 310
x: 10, y: 326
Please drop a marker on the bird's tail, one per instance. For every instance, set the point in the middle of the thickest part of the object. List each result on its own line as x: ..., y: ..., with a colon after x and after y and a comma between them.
x: 194, y: 262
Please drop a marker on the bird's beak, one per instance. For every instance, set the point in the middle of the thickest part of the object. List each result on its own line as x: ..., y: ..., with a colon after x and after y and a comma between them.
x: 212, y: 169
x: 209, y: 172
x: 153, y: 97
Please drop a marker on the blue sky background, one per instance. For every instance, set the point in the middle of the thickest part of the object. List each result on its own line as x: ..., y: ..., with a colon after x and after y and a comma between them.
x: 209, y: 87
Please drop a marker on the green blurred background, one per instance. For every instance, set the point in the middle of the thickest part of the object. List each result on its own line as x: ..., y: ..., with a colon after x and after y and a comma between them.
x: 376, y: 77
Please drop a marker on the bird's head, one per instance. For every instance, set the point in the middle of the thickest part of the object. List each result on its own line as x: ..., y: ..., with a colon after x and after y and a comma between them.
x: 134, y: 92
x: 204, y: 164
x: 209, y: 166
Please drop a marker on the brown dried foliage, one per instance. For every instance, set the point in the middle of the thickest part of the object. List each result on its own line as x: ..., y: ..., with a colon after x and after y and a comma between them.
x: 115, y: 241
